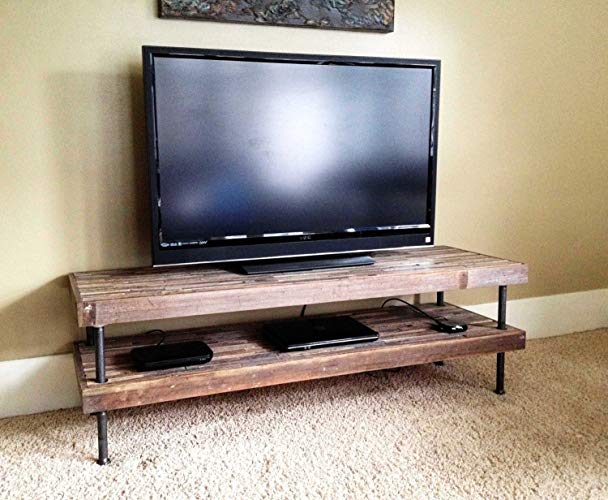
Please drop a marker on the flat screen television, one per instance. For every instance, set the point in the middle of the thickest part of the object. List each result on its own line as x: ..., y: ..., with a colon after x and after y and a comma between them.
x: 268, y: 155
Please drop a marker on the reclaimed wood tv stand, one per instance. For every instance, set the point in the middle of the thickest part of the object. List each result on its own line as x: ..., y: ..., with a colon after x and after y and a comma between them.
x: 243, y: 359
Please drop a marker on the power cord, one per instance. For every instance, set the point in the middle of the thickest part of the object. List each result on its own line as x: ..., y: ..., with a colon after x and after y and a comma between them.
x: 157, y: 330
x: 443, y: 326
x: 303, y: 310
x: 410, y: 305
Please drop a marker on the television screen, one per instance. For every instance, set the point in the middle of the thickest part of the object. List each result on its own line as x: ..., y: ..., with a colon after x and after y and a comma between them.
x: 255, y: 154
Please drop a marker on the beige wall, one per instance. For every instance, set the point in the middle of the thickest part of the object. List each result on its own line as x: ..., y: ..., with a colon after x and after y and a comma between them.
x: 522, y: 157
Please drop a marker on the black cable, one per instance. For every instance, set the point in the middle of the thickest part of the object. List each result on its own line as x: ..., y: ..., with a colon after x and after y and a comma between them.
x: 303, y: 310
x: 412, y: 306
x: 149, y: 332
x: 444, y: 326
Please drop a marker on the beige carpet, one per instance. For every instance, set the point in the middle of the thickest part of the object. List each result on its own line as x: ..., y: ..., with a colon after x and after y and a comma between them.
x: 415, y: 432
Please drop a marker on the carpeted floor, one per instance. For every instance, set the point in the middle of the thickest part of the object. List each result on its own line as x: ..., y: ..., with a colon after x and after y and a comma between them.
x: 420, y: 432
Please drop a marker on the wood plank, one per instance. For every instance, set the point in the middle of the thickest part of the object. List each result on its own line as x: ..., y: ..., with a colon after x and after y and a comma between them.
x: 243, y: 359
x: 141, y: 294
x: 81, y: 374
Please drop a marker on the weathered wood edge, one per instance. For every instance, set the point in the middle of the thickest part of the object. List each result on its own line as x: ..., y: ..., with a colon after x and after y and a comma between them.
x: 80, y: 373
x: 74, y: 290
x: 110, y: 311
x: 187, y: 385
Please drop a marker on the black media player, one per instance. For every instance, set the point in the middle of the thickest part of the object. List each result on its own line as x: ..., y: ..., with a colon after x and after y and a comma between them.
x: 163, y: 356
x: 309, y: 333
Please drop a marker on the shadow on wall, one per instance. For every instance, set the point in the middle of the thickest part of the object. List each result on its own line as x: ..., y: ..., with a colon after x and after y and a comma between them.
x: 41, y: 322
x: 98, y: 197
x: 98, y: 141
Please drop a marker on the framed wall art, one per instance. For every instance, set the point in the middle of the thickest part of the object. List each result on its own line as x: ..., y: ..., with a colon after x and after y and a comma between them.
x: 364, y: 15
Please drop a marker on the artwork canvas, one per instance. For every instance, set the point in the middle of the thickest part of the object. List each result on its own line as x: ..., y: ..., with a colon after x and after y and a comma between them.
x: 365, y: 15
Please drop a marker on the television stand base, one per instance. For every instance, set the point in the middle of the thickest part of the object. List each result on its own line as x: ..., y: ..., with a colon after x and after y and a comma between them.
x: 243, y: 356
x: 306, y: 264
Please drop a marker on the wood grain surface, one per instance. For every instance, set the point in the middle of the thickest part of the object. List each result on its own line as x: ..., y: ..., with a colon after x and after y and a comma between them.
x: 127, y: 295
x: 244, y: 359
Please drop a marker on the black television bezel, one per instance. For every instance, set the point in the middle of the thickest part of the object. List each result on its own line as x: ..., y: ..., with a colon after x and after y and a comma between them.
x: 299, y: 246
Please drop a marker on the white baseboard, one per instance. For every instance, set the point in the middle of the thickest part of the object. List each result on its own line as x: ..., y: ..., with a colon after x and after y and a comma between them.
x: 35, y: 385
x: 553, y: 315
x: 49, y: 383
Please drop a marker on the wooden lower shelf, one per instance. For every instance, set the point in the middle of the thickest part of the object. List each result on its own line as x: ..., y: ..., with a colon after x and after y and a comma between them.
x: 243, y: 359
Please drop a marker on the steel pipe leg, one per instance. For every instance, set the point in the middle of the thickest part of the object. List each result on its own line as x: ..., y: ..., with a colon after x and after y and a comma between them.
x: 100, y: 362
x: 502, y: 307
x: 102, y: 437
x: 90, y: 335
x: 440, y: 302
x: 100, y: 378
x: 502, y: 325
x: 500, y: 373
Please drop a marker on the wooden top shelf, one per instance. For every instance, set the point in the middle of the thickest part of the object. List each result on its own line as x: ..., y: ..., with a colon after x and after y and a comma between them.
x: 127, y: 295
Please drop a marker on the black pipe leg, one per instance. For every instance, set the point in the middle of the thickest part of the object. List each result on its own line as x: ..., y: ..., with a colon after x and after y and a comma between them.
x: 502, y: 325
x: 500, y: 373
x: 502, y: 307
x: 90, y: 335
x: 102, y: 437
x: 440, y: 302
x: 100, y: 378
x: 100, y: 362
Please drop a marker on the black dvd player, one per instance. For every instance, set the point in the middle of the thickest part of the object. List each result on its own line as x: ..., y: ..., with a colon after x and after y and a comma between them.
x: 163, y: 356
x: 309, y: 333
